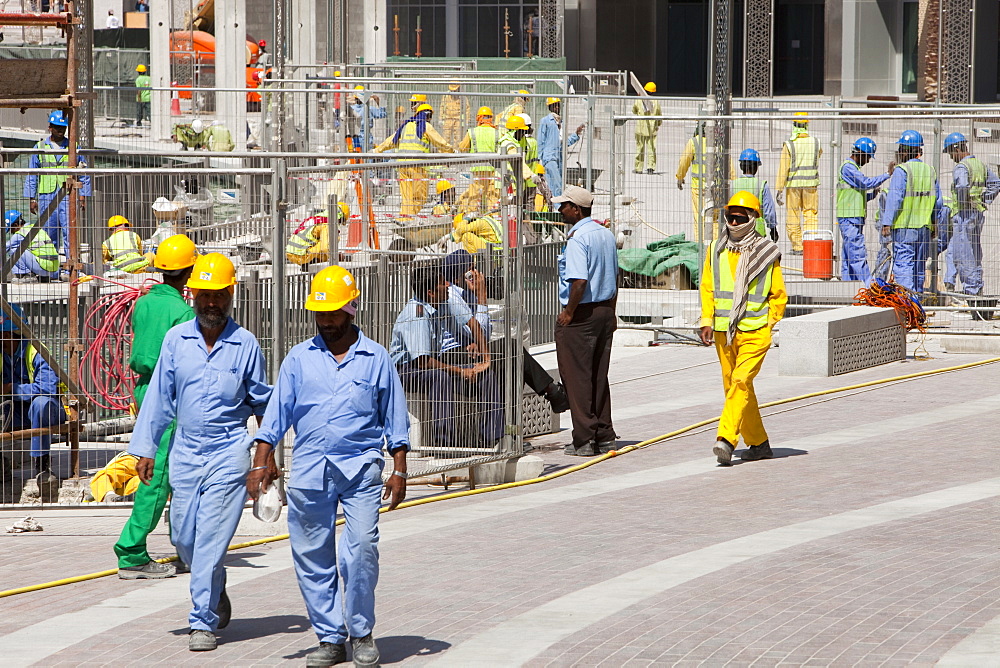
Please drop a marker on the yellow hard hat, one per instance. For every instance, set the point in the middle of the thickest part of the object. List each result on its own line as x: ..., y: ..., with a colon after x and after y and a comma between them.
x: 516, y: 122
x: 442, y: 185
x: 176, y: 252
x: 214, y: 271
x: 425, y: 107
x: 115, y: 221
x: 418, y: 97
x: 745, y: 199
x: 359, y: 87
x: 484, y: 111
x: 336, y: 73
x: 539, y: 168
x: 454, y: 85
x: 333, y: 288
x: 551, y: 100
x: 650, y: 87
x: 523, y: 92
x: 140, y: 68
x: 345, y: 211
x: 804, y: 117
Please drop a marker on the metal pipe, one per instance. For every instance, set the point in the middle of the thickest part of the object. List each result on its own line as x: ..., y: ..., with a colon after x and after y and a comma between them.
x: 73, y: 346
x: 278, y: 209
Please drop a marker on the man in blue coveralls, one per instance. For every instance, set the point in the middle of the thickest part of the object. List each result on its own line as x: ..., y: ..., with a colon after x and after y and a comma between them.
x: 854, y: 191
x: 974, y: 187
x: 550, y: 146
x: 210, y: 378
x: 46, y: 193
x: 912, y: 207
x: 340, y: 392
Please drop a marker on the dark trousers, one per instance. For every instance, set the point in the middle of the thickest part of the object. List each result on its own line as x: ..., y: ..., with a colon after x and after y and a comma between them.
x: 535, y: 377
x: 440, y: 389
x: 583, y: 349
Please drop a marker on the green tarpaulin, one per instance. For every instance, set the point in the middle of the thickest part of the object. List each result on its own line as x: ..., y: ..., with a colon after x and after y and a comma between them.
x: 660, y: 256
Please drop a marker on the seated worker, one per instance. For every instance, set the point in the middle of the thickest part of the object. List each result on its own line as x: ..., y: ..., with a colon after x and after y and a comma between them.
x: 446, y: 203
x: 311, y: 241
x: 750, y: 182
x: 426, y: 329
x: 477, y: 232
x: 40, y: 261
x: 30, y: 393
x: 123, y: 249
x: 467, y: 284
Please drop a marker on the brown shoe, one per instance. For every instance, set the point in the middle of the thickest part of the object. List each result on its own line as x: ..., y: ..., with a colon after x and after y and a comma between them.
x: 723, y: 452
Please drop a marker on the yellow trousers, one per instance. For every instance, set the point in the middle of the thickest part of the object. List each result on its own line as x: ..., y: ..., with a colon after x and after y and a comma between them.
x: 701, y: 200
x: 645, y: 152
x: 413, y: 188
x: 803, y: 212
x: 118, y: 476
x: 741, y: 363
x: 482, y: 195
x: 306, y: 258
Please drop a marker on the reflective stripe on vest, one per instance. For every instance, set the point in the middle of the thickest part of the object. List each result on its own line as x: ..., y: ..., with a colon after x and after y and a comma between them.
x: 42, y: 248
x: 977, y: 182
x: 49, y: 184
x: 125, y: 255
x: 918, y: 202
x: 300, y: 242
x: 757, y: 309
x: 850, y: 201
x: 483, y: 139
x: 803, y: 170
x: 409, y: 142
x: 699, y: 165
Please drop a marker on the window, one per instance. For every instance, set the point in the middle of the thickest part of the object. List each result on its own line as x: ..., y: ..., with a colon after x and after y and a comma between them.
x: 909, y: 47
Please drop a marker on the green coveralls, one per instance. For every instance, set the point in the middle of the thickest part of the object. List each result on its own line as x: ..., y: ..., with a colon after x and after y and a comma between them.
x: 155, y: 313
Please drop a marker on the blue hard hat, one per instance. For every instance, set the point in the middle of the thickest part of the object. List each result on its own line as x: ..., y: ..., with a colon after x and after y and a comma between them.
x: 911, y: 138
x: 11, y: 217
x: 57, y: 118
x: 6, y: 324
x: 865, y: 145
x: 749, y: 155
x: 954, y: 138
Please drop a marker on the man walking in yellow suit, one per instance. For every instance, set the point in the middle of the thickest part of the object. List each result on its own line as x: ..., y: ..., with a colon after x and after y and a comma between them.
x: 798, y: 176
x: 742, y: 298
x: 695, y: 159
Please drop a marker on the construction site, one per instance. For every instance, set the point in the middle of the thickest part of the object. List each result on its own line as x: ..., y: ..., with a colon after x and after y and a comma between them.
x: 273, y: 134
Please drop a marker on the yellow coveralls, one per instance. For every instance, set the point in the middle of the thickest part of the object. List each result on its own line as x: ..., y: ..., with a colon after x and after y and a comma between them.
x: 514, y: 108
x: 802, y: 203
x: 476, y: 234
x: 118, y: 476
x: 741, y: 361
x: 413, y: 180
x: 483, y: 194
x: 454, y: 117
x: 645, y: 136
x: 695, y: 158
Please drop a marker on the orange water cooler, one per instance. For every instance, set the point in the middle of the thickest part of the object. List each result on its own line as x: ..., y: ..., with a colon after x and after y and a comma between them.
x: 817, y: 254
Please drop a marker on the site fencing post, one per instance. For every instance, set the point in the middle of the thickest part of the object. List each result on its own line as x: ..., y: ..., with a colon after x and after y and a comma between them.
x: 279, y: 204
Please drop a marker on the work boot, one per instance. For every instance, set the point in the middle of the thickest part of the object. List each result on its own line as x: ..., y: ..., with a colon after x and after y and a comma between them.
x: 328, y: 654
x: 364, y: 652
x: 557, y: 397
x: 181, y: 567
x: 202, y: 641
x: 148, y: 571
x: 225, y: 609
x: 723, y: 452
x: 588, y: 449
x: 649, y: 171
x: 755, y: 452
x: 604, y: 447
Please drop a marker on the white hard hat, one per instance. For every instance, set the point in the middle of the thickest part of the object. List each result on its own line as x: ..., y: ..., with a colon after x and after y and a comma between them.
x: 197, y: 125
x: 526, y: 117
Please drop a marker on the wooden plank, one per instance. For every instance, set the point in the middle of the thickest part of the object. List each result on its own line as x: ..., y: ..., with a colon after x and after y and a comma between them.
x: 32, y: 78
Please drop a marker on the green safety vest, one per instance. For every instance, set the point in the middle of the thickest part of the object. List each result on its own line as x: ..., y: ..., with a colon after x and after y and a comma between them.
x: 125, y: 255
x: 755, y: 316
x: 918, y: 202
x: 751, y: 184
x: 530, y: 158
x: 300, y: 242
x: 851, y: 201
x: 977, y: 182
x: 49, y: 184
x: 42, y: 248
x: 483, y: 139
x: 143, y: 83
x: 803, y: 169
x: 699, y: 166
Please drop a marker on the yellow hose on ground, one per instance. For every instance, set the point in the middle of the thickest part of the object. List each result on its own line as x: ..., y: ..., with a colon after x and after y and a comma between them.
x: 533, y: 481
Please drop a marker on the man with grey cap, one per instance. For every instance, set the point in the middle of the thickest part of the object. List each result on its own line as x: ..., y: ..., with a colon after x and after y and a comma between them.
x: 588, y: 293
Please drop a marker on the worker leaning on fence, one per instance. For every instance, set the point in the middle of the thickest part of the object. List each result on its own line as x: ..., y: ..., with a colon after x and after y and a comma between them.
x: 40, y: 261
x: 48, y: 197
x: 311, y: 241
x: 646, y: 131
x: 483, y: 193
x: 742, y: 298
x: 415, y: 135
x: 974, y: 187
x: 854, y: 191
x: 912, y: 209
x: 798, y: 176
x: 123, y: 248
x: 210, y: 378
x: 30, y: 397
x: 340, y: 393
x: 695, y: 158
x: 155, y: 313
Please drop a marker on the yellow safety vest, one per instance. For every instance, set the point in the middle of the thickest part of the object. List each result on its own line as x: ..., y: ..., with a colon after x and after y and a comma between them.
x: 977, y: 182
x: 42, y: 248
x: 409, y: 142
x: 483, y: 139
x: 300, y: 242
x: 803, y: 169
x: 918, y: 201
x: 49, y: 184
x: 124, y: 248
x: 758, y: 306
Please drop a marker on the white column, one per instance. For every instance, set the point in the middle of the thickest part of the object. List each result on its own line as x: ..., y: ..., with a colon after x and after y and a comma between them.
x: 375, y: 31
x: 159, y: 69
x: 230, y: 67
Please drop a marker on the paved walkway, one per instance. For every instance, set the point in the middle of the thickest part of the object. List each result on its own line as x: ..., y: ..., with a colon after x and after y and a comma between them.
x: 871, y: 539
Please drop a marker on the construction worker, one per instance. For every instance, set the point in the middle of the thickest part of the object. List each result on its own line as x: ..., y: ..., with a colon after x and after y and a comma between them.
x: 749, y: 181
x: 529, y: 146
x: 263, y: 57
x: 340, y: 393
x: 798, y: 176
x: 477, y: 232
x: 47, y: 194
x: 414, y: 136
x: 210, y: 378
x: 483, y: 193
x: 645, y: 133
x: 550, y: 144
x: 144, y: 85
x: 446, y: 199
x: 154, y: 314
x: 515, y: 107
x: 30, y: 393
x: 218, y: 137
x: 37, y: 263
x: 361, y: 118
x: 455, y: 114
x: 742, y: 298
x: 974, y: 187
x: 695, y: 158
x: 913, y: 206
x: 123, y: 249
x: 854, y: 191
x: 416, y: 100
x: 311, y: 241
x: 515, y: 140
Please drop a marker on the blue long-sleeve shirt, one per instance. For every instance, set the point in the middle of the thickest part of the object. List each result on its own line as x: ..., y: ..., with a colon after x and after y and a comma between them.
x: 853, y: 177
x: 342, y: 412
x: 550, y: 140
x: 31, y: 180
x: 210, y: 394
x: 770, y: 211
x: 960, y: 178
x: 897, y: 191
x: 15, y: 371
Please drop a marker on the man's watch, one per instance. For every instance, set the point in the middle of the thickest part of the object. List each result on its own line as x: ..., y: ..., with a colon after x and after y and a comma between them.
x: 401, y: 474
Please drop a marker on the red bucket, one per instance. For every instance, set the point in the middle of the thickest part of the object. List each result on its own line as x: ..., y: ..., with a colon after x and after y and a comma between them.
x: 817, y: 254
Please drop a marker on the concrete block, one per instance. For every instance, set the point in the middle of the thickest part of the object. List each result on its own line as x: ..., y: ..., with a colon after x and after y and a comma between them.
x: 511, y: 470
x: 72, y: 491
x: 836, y: 341
x: 634, y: 338
x: 983, y: 345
